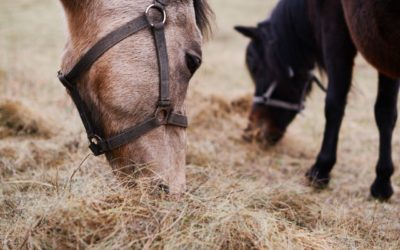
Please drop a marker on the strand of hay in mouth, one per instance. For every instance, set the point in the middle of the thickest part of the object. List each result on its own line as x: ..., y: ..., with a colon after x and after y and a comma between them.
x: 17, y: 119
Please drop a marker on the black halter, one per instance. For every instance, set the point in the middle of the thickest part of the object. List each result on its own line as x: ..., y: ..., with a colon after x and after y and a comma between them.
x: 164, y: 113
x: 267, y: 100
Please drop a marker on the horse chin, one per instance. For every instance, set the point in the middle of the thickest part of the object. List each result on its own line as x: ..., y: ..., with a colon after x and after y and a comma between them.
x: 263, y: 133
x: 170, y: 179
x: 176, y: 184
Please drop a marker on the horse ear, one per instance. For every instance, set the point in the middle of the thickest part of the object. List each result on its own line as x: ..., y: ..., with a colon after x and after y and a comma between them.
x: 250, y: 32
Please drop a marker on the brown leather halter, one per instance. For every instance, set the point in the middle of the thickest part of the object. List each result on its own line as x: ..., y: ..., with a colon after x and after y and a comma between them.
x: 164, y: 113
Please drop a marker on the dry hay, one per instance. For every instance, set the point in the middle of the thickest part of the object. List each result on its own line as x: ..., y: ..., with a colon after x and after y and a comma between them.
x: 17, y: 118
x: 230, y: 215
x: 238, y: 198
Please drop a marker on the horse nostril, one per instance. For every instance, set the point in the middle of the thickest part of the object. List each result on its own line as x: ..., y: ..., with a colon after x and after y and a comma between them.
x: 273, y: 139
x: 164, y: 188
x: 193, y: 62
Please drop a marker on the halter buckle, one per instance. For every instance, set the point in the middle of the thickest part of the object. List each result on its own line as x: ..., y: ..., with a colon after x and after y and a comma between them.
x: 160, y: 9
x: 96, y: 145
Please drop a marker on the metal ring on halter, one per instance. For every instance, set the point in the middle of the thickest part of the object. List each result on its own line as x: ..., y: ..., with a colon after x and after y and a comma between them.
x: 95, y: 139
x: 161, y: 10
x: 162, y: 114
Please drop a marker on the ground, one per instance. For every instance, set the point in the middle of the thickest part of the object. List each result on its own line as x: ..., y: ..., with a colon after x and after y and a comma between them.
x: 53, y: 194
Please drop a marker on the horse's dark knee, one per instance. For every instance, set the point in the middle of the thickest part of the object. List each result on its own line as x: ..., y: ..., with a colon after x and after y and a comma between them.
x: 386, y: 117
x: 334, y: 109
x: 386, y: 103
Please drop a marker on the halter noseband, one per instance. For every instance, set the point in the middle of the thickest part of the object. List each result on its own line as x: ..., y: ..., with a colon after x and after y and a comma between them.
x: 164, y: 112
x: 267, y: 100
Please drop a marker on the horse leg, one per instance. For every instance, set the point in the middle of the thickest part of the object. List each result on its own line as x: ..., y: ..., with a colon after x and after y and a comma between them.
x: 386, y: 117
x: 335, y: 104
x: 339, y: 53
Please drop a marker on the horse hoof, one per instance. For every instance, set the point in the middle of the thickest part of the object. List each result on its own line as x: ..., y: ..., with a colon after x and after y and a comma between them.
x: 317, y: 179
x: 381, y: 190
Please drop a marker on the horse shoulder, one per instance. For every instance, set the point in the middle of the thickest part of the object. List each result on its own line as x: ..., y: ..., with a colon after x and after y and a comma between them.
x: 374, y: 29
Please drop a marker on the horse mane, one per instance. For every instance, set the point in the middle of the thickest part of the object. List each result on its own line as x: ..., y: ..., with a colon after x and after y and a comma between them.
x: 203, y: 14
x: 290, y: 34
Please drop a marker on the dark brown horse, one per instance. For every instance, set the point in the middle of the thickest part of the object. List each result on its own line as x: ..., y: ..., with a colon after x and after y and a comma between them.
x: 303, y: 34
x: 374, y: 28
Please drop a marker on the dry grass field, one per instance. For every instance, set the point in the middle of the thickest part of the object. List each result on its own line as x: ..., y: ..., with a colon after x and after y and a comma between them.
x: 55, y: 195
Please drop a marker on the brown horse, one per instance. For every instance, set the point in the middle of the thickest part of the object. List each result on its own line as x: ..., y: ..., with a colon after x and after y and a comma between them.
x: 374, y: 28
x: 121, y: 89
x: 303, y: 34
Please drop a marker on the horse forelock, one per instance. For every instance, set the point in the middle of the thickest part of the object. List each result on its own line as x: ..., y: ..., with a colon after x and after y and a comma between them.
x: 203, y: 15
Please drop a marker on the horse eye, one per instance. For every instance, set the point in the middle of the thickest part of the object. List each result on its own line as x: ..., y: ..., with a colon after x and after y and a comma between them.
x: 193, y: 62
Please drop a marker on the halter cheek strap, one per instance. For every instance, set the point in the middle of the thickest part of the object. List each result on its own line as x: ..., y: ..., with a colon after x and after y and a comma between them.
x: 267, y: 100
x: 163, y: 114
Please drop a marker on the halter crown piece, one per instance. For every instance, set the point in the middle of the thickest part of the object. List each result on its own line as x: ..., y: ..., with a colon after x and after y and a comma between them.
x: 163, y: 114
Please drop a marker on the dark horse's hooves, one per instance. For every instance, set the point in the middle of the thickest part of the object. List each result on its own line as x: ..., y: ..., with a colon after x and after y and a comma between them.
x: 381, y: 190
x: 317, y: 179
